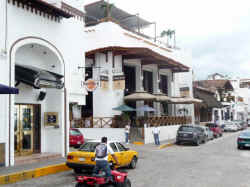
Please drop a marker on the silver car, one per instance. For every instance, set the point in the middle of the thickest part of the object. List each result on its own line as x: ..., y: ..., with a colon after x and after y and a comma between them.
x: 208, y: 132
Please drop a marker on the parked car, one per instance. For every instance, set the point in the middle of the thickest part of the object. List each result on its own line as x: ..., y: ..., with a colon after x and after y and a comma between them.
x: 239, y: 124
x: 191, y: 134
x: 209, y: 134
x: 243, y: 140
x: 230, y: 127
x: 248, y: 122
x: 75, y: 138
x: 84, y: 158
x: 215, y: 128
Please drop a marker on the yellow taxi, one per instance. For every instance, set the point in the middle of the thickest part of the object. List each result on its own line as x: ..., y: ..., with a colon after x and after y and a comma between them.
x: 84, y: 158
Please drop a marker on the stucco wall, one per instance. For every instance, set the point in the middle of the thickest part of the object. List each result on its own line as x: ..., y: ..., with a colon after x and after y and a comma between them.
x: 115, y: 134
x: 105, y: 100
x: 166, y: 133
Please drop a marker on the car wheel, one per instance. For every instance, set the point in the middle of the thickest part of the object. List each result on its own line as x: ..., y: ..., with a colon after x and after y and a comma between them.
x: 133, y: 163
x: 81, y: 185
x: 77, y: 170
x: 126, y: 183
x: 197, y: 143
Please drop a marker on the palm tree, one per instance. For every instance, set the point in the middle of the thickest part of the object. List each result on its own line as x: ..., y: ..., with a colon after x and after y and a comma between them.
x: 163, y: 34
x: 107, y: 9
x: 169, y: 33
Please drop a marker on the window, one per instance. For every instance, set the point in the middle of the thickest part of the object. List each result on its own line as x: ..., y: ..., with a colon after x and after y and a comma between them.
x: 148, y: 81
x: 74, y: 132
x: 121, y: 147
x: 163, y: 85
x: 113, y: 146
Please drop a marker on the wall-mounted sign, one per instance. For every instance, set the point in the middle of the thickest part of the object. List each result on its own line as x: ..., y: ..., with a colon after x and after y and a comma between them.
x: 104, y: 80
x: 51, y: 118
x: 116, y: 71
x: 91, y: 85
x: 119, y: 82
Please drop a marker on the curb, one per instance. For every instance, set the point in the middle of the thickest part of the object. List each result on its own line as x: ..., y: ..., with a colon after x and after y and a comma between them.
x: 166, y: 145
x: 138, y: 143
x: 33, y: 173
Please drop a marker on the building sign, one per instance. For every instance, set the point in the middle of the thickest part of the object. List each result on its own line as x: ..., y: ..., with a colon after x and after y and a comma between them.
x: 91, y: 85
x: 184, y: 92
x: 104, y: 81
x: 119, y: 82
x: 51, y: 118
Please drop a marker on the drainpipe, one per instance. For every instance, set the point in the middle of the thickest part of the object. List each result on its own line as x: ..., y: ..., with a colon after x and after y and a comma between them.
x: 6, y: 26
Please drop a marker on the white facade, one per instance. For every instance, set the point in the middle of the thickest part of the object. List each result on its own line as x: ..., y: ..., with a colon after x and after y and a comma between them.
x: 31, y: 39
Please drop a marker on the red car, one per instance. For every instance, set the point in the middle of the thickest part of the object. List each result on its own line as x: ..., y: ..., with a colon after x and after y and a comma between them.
x: 216, y: 129
x: 75, y: 138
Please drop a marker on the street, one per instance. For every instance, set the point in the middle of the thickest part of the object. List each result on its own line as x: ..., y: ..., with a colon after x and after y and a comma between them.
x: 217, y: 163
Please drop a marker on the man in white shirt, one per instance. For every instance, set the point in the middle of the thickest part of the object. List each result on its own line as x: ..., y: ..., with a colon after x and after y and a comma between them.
x: 156, y: 133
x: 101, y: 152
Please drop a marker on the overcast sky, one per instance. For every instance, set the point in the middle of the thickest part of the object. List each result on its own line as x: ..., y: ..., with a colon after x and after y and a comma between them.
x: 215, y: 32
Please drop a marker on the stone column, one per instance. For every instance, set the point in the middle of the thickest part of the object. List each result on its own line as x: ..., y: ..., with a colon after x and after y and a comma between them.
x: 139, y: 85
x: 156, y: 81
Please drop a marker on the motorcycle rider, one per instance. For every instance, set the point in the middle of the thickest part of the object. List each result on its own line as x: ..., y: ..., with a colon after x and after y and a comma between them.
x: 101, y: 158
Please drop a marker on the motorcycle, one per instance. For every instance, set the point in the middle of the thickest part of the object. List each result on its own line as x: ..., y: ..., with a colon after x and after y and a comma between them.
x: 119, y: 179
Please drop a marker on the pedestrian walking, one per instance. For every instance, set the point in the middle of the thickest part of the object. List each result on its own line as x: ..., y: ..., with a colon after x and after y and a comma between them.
x: 156, y: 133
x: 127, y: 130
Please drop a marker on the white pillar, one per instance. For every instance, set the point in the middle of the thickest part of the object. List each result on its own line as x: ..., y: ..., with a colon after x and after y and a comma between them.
x: 156, y: 79
x: 139, y: 86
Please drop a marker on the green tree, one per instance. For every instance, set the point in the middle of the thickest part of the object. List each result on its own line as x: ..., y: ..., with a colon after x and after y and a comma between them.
x: 107, y: 9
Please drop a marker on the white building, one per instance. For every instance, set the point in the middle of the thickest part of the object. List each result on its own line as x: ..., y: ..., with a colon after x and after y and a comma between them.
x: 50, y: 38
x: 117, y: 51
x: 43, y: 49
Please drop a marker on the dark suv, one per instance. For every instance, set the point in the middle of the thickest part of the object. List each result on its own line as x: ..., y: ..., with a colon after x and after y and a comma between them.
x: 191, y: 134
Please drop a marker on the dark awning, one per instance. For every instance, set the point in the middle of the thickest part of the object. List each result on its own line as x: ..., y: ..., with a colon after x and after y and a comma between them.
x: 96, y: 11
x: 37, y: 77
x: 149, y: 57
x: 8, y: 90
x: 208, y: 98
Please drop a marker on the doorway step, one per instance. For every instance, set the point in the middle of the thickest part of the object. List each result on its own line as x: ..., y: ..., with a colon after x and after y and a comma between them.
x: 35, y: 158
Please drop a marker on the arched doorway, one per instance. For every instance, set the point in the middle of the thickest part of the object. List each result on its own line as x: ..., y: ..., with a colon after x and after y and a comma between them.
x: 37, y: 69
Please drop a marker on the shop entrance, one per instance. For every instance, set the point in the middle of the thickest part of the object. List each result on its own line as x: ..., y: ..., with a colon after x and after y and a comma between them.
x: 27, y: 129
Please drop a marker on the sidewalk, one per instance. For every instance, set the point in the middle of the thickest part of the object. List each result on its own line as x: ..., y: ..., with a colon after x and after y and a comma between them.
x: 28, y: 171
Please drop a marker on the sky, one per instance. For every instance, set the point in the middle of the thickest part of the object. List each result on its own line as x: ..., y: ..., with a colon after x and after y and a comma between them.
x: 216, y: 33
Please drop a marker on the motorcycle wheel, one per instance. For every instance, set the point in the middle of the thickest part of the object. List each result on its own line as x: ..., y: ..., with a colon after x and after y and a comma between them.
x: 126, y: 183
x: 81, y: 185
x: 77, y: 171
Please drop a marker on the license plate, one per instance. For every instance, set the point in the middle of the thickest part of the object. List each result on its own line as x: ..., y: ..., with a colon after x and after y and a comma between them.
x: 247, y: 145
x: 82, y: 159
x: 185, y: 135
x: 79, y: 142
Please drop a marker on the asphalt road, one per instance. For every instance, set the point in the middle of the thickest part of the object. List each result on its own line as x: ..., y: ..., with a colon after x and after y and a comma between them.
x: 217, y: 163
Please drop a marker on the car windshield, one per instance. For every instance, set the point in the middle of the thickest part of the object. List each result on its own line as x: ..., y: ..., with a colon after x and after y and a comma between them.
x: 75, y: 132
x: 245, y: 134
x: 186, y: 128
x: 89, y: 147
